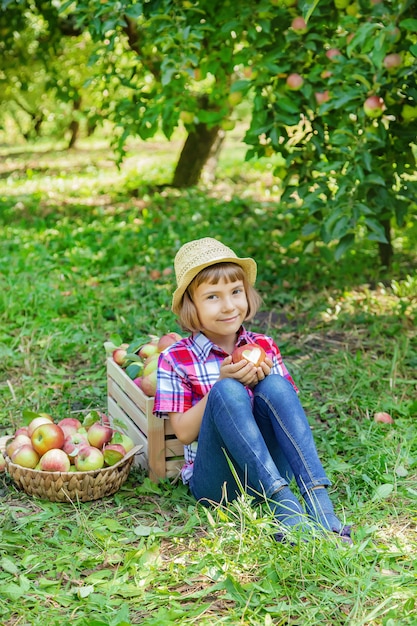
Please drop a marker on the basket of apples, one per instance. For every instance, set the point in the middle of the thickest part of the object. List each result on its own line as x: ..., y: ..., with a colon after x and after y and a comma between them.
x: 68, y: 460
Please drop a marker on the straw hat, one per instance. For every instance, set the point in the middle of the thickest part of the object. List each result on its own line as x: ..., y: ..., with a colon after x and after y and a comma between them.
x: 195, y: 255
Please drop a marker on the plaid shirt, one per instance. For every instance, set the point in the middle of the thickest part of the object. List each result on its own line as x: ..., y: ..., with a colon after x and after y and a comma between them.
x: 188, y: 370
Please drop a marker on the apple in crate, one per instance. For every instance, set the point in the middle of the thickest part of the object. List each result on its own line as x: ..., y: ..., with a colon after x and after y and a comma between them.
x: 252, y: 352
x: 69, y: 425
x: 25, y: 456
x: 113, y: 453
x: 168, y: 340
x: 15, y: 443
x: 148, y: 349
x: 99, y: 434
x: 54, y: 460
x: 37, y: 421
x: 47, y: 436
x: 89, y: 458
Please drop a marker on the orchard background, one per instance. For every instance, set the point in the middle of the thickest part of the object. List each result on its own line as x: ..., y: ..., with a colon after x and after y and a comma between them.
x: 128, y: 128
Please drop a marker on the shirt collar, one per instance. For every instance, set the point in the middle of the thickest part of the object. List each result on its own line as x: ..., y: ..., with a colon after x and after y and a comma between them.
x: 202, y: 346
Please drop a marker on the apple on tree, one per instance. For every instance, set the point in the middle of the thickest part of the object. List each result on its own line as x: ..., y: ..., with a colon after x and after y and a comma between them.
x: 252, y: 352
x: 374, y: 106
x: 294, y: 81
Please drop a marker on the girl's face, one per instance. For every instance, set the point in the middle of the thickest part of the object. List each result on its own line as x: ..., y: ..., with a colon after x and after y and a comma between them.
x: 221, y: 308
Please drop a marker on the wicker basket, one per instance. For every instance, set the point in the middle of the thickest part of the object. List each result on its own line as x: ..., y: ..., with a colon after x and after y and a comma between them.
x: 72, y: 486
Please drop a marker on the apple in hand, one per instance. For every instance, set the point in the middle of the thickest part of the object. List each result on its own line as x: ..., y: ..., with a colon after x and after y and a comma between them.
x: 89, y: 458
x: 55, y: 460
x: 47, y: 436
x: 113, y: 453
x: 252, y: 352
x: 99, y: 434
x: 25, y: 456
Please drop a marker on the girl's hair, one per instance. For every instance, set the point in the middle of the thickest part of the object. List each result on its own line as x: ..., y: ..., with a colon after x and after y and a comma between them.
x: 230, y: 273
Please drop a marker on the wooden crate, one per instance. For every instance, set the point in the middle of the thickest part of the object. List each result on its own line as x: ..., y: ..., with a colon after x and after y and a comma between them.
x: 130, y: 411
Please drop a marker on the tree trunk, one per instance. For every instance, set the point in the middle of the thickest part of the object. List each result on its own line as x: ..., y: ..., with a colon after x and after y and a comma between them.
x: 74, y: 127
x: 195, y: 153
x: 385, y: 249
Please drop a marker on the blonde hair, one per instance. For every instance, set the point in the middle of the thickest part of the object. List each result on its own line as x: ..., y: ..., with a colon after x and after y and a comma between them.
x: 229, y: 272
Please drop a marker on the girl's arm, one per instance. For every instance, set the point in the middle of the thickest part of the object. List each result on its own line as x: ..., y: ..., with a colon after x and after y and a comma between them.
x: 187, y: 425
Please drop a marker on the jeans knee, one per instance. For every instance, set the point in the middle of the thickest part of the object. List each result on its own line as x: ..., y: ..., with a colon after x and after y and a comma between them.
x: 274, y: 383
x: 229, y: 388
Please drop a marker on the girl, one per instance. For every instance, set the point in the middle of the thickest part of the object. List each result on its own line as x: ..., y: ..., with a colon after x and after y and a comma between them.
x: 240, y: 424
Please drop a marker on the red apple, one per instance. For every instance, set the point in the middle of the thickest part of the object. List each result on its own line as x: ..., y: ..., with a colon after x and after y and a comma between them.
x: 148, y: 384
x: 37, y: 421
x: 69, y: 425
x: 25, y: 456
x: 73, y: 443
x: 295, y: 81
x: 333, y: 53
x: 17, y: 442
x: 252, y: 352
x: 99, y: 434
x: 113, y: 453
x: 392, y: 61
x: 383, y: 417
x: 55, y: 460
x: 322, y: 96
x: 299, y: 25
x: 23, y: 430
x: 122, y: 439
x: 47, y: 436
x: 89, y: 458
x: 119, y: 356
x: 138, y: 381
x: 374, y: 106
x: 168, y: 340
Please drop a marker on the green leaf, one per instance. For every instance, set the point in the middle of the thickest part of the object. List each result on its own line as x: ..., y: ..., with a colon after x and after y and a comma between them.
x: 383, y: 491
x: 134, y: 370
x: 9, y: 566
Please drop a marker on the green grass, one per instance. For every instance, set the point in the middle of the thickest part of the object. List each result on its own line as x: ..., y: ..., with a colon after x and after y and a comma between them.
x: 80, y: 243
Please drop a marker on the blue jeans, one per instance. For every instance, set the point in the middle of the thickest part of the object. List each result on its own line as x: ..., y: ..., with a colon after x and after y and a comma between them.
x: 267, y: 442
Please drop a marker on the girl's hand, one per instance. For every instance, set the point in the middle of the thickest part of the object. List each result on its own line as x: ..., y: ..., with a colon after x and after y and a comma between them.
x: 244, y: 371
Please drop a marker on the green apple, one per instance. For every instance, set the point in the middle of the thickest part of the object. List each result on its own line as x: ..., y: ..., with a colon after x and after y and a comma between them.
x: 89, y: 458
x: 409, y: 113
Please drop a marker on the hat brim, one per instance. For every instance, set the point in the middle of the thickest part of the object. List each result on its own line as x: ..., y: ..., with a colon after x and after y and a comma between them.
x: 247, y: 264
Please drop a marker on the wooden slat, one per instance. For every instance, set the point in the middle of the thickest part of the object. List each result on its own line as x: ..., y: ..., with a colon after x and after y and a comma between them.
x: 173, y: 468
x: 144, y: 403
x: 120, y: 421
x: 156, y: 447
x: 130, y: 408
x: 174, y: 447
